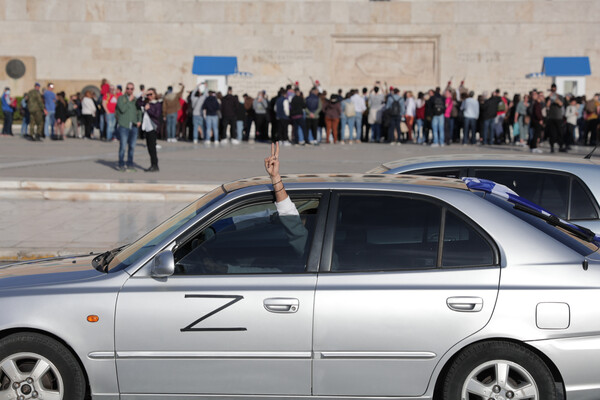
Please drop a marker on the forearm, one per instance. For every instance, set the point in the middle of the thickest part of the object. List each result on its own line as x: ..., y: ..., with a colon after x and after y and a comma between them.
x: 278, y: 188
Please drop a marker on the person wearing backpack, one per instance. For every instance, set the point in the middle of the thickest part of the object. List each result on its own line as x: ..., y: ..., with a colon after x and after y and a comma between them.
x: 395, y: 109
x: 313, y: 109
x: 591, y: 124
x: 437, y: 123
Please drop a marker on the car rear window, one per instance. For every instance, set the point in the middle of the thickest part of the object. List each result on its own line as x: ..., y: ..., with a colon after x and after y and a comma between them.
x: 573, y: 242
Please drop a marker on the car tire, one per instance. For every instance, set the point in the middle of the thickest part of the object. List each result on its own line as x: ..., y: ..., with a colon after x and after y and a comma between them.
x: 474, y: 374
x: 32, y: 363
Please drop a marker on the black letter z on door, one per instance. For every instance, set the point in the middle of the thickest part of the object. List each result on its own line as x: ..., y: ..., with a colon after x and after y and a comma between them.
x: 190, y: 327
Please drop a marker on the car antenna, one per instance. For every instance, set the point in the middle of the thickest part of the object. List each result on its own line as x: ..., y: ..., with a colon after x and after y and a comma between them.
x: 589, y: 155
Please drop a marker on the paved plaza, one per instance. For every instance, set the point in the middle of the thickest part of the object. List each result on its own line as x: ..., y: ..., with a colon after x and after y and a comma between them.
x: 65, y: 197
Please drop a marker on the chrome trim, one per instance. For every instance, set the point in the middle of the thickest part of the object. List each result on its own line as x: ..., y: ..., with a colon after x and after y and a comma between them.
x: 138, y: 396
x: 102, y: 355
x: 425, y: 355
x: 213, y: 354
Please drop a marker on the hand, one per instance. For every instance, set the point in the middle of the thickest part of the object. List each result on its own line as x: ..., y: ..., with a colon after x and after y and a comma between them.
x: 272, y: 162
x: 139, y: 124
x: 131, y: 97
x: 147, y: 106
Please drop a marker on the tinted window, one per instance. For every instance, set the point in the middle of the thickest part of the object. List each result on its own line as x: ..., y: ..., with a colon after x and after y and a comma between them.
x: 439, y: 172
x: 551, y: 191
x: 463, y: 245
x: 582, y: 206
x: 252, y: 239
x: 384, y: 233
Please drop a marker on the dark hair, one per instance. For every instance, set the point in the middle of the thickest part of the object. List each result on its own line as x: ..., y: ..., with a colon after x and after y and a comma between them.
x: 365, y: 90
x: 396, y: 90
x: 169, y: 88
x: 376, y: 89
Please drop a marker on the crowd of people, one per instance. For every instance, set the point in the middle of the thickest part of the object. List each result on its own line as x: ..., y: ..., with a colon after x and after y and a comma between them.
x: 380, y: 114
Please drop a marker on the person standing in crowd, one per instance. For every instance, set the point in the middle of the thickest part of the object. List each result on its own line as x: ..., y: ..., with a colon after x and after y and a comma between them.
x: 171, y: 106
x: 420, y: 118
x: 592, y: 108
x: 74, y: 112
x: 333, y: 111
x: 501, y: 108
x: 521, y: 116
x: 61, y: 115
x: 7, y: 110
x: 198, y: 98
x: 282, y: 112
x: 448, y: 120
x: 240, y: 118
x: 50, y: 107
x: 376, y: 105
x: 249, y: 117
x: 152, y: 116
x: 555, y: 105
x: 571, y: 114
x: 297, y: 117
x: 395, y: 108
x: 109, y: 103
x: 229, y: 116
x: 128, y: 120
x: 470, y: 108
x: 537, y: 122
x: 409, y: 116
x: 260, y: 105
x: 489, y: 111
x: 211, y: 108
x: 24, y: 111
x: 182, y: 120
x: 313, y: 109
x: 88, y: 112
x: 359, y: 108
x: 35, y: 103
x: 437, y: 122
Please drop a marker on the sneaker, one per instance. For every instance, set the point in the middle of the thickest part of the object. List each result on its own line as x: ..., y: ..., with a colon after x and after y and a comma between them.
x: 121, y: 169
x: 224, y: 142
x: 536, y: 150
x: 287, y: 143
x: 195, y: 141
x: 153, y: 168
x: 158, y: 146
x: 131, y: 169
x: 207, y: 143
x: 235, y: 142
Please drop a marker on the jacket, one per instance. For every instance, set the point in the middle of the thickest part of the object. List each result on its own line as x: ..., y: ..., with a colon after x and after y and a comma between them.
x: 211, y: 105
x: 35, y: 102
x: 228, y: 106
x: 171, y: 102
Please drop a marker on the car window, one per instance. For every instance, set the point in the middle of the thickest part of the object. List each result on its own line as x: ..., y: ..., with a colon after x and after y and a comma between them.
x: 550, y: 191
x: 439, y: 172
x: 582, y: 206
x: 252, y: 239
x: 378, y: 233
x: 463, y: 245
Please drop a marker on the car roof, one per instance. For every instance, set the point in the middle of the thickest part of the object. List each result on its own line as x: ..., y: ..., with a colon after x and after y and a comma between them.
x: 513, y: 160
x: 349, y: 178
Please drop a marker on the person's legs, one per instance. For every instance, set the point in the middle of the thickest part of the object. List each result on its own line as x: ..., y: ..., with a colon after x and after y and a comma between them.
x: 110, y: 125
x: 358, y: 126
x: 435, y: 128
x: 409, y: 123
x: 151, y: 145
x: 8, y: 118
x: 131, y: 141
x: 239, y: 129
x: 441, y: 127
x: 123, y: 140
x: 195, y: 124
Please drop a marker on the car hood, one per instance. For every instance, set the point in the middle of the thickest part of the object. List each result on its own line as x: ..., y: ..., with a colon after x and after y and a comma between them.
x: 49, y: 271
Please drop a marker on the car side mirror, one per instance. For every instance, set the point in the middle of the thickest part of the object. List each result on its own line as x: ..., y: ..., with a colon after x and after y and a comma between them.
x: 164, y: 265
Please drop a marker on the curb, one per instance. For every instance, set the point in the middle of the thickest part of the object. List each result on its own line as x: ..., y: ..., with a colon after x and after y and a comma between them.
x: 27, y: 254
x: 101, y: 191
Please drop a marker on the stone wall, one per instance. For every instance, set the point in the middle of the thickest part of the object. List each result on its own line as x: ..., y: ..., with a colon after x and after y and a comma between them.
x: 414, y: 44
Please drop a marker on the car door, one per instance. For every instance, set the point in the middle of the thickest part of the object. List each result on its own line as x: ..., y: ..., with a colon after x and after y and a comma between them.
x: 392, y: 297
x: 236, y: 317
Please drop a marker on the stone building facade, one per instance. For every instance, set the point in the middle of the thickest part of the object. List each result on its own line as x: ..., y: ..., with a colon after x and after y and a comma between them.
x: 414, y: 44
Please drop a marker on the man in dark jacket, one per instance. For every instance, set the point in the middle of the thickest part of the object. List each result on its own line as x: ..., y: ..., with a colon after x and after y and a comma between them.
x: 150, y: 122
x: 297, y: 117
x: 282, y: 113
x: 488, y: 114
x: 313, y: 108
x: 555, y: 105
x: 228, y: 113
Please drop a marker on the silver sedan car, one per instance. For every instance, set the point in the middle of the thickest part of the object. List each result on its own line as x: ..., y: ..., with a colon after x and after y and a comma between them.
x: 379, y: 287
x: 569, y: 187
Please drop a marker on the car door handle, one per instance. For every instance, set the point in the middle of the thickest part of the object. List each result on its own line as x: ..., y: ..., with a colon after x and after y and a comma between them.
x: 281, y: 305
x: 465, y: 304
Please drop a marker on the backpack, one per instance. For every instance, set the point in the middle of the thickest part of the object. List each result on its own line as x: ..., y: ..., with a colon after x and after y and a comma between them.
x: 395, y: 108
x: 349, y: 110
x: 438, y: 105
x: 312, y: 103
x: 590, y: 106
x: 501, y: 106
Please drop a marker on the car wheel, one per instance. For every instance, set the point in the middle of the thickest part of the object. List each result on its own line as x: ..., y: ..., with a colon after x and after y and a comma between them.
x: 33, y: 366
x: 499, y: 370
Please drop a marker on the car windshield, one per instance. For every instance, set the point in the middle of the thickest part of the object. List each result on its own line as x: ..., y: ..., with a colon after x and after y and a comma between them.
x: 571, y: 240
x: 146, y: 243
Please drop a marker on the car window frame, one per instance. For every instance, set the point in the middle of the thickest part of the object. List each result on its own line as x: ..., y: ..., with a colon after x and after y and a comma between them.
x: 328, y: 243
x: 312, y: 262
x: 572, y: 177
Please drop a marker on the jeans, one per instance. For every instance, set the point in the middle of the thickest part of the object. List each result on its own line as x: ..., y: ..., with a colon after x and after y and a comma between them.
x: 197, y: 121
x: 239, y: 128
x: 419, y: 131
x: 376, y: 132
x: 298, y: 130
x: 49, y: 124
x: 24, y: 124
x: 8, y: 118
x: 469, y: 130
x: 488, y: 126
x: 171, y: 125
x: 111, y: 120
x: 523, y: 129
x: 350, y: 122
x: 394, y: 125
x: 212, y: 124
x: 437, y: 126
x: 358, y: 125
x: 128, y: 137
